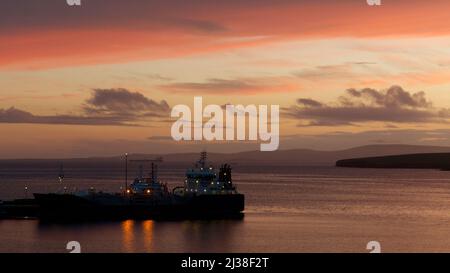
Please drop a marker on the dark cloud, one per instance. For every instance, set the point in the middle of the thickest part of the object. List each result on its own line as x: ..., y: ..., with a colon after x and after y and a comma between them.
x: 394, y: 105
x: 105, y: 107
x: 309, y: 102
x: 122, y: 102
x: 395, y: 96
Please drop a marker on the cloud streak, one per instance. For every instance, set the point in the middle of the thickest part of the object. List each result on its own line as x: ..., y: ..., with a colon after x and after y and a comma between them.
x: 241, y: 86
x: 14, y: 115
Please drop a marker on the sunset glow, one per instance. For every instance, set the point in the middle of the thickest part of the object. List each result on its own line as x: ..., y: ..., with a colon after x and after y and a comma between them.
x: 377, y: 74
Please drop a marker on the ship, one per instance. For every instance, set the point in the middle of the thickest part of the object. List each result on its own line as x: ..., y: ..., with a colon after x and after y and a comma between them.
x: 207, y: 193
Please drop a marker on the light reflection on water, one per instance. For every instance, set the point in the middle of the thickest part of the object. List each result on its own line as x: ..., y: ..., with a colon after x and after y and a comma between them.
x: 128, y: 235
x: 137, y: 236
x: 147, y: 227
x: 123, y: 236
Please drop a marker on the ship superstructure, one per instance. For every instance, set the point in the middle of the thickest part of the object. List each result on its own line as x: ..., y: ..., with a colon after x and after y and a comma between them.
x: 203, y: 179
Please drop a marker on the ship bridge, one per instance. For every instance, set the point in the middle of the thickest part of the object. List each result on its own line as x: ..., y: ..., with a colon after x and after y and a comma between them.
x: 204, y: 179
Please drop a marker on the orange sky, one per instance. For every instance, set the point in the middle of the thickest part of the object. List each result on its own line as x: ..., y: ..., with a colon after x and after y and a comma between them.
x: 54, y: 57
x: 205, y: 27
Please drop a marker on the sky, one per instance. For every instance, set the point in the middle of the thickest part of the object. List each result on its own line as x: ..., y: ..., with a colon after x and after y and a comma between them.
x: 100, y: 79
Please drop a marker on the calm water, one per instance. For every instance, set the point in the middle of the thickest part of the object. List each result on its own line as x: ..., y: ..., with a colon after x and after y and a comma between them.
x: 309, y: 209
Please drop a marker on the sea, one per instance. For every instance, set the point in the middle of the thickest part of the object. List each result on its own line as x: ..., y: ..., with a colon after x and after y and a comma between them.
x: 288, y: 209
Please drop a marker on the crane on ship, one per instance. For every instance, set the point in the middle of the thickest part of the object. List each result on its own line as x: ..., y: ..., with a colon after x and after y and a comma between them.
x: 141, y: 183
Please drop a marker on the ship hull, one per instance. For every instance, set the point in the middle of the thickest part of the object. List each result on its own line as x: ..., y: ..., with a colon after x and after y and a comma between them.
x: 71, y: 207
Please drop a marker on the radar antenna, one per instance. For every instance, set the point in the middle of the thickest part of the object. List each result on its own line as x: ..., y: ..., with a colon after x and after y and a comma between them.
x: 61, y: 173
x: 203, y: 157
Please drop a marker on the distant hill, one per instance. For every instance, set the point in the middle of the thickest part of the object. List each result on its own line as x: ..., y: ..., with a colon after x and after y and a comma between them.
x: 409, y: 161
x: 297, y: 157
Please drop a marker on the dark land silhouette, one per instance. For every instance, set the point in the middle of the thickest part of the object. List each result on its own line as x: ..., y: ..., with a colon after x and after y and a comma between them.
x: 408, y: 161
x: 364, y: 156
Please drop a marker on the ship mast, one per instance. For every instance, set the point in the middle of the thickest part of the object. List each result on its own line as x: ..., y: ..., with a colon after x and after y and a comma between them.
x: 61, y: 173
x: 126, y: 172
x: 202, y: 161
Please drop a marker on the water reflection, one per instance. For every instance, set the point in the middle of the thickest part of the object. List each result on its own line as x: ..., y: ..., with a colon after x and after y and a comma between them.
x: 147, y: 227
x: 137, y: 236
x: 209, y: 236
x: 185, y: 236
x: 128, y: 235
